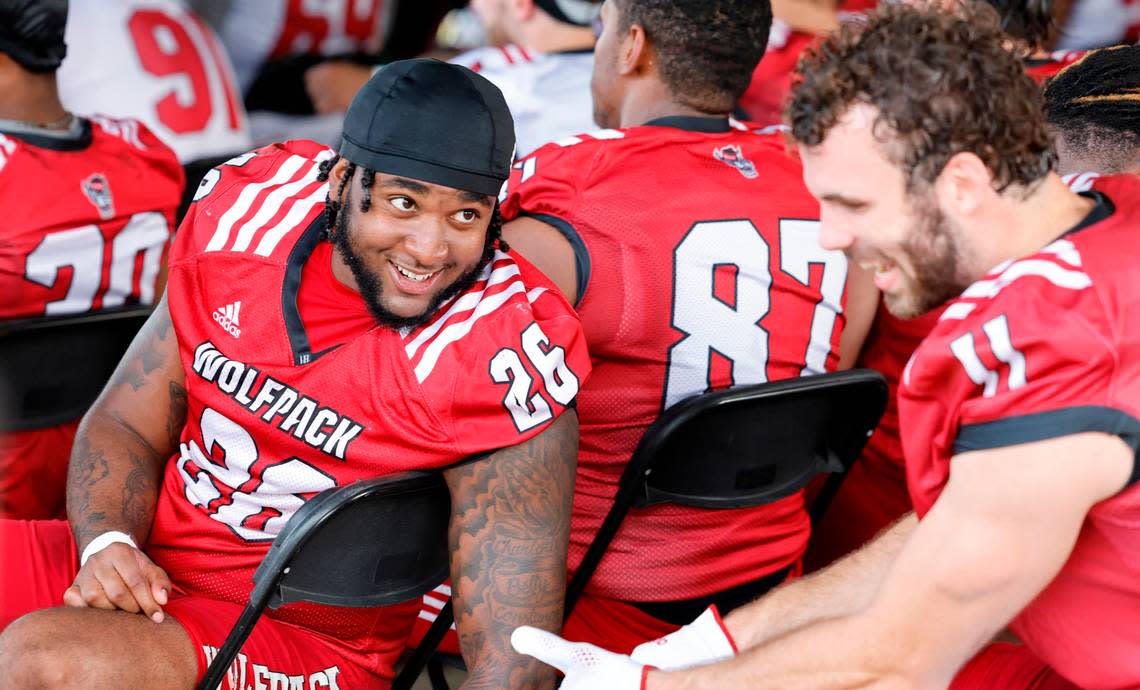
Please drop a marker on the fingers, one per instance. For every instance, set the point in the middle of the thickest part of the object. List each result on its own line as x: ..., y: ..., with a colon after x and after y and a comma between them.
x: 544, y: 646
x: 120, y: 577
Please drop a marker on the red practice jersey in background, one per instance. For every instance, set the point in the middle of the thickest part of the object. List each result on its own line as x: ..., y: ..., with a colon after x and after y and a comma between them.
x: 272, y: 420
x: 1041, y: 69
x: 1043, y: 347
x: 88, y: 215
x: 700, y: 268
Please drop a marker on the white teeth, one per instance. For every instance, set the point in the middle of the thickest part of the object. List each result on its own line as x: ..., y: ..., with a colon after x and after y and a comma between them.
x: 413, y: 276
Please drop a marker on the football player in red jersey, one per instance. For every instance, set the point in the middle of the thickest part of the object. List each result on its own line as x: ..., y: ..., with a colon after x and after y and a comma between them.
x: 1095, y: 108
x: 691, y: 249
x: 874, y: 494
x: 1021, y: 410
x: 88, y: 210
x: 328, y: 318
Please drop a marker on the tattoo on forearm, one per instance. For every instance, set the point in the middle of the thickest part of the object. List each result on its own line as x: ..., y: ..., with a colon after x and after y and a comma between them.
x: 88, y: 467
x: 510, y: 526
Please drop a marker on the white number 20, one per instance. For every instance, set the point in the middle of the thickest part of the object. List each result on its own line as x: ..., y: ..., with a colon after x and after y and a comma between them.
x: 559, y: 381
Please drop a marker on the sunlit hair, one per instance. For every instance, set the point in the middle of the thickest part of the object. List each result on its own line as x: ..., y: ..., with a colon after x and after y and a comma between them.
x: 942, y: 82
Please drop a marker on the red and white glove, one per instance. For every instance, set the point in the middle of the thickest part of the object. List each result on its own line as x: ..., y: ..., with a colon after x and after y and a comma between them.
x: 585, y: 666
x: 704, y: 641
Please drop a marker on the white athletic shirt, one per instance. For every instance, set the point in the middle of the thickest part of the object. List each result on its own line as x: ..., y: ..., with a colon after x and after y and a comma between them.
x: 548, y: 93
x: 155, y: 61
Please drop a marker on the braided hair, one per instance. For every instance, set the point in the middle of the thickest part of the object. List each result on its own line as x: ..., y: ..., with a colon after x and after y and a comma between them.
x: 334, y: 203
x: 1094, y: 104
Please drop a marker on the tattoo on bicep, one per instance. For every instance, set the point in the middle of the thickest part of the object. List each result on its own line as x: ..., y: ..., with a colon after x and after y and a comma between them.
x: 510, y: 527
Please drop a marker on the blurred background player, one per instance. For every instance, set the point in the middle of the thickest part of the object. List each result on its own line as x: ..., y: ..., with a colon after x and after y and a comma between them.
x: 272, y: 42
x: 1021, y: 409
x: 382, y: 328
x: 1094, y: 105
x: 691, y: 250
x: 88, y: 210
x: 539, y: 53
x: 158, y: 62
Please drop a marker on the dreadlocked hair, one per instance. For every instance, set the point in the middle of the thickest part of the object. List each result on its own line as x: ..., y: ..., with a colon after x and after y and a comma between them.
x: 334, y: 203
x: 1094, y: 104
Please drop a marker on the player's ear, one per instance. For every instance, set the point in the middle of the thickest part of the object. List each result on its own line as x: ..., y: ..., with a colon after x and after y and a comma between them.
x: 964, y: 184
x: 336, y: 175
x: 636, y: 51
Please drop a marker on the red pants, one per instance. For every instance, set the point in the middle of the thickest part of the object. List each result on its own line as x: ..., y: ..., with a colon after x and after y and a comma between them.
x: 33, y: 472
x: 39, y: 563
x: 1004, y: 666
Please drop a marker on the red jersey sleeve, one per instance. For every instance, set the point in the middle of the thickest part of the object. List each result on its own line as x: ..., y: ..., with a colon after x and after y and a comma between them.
x: 1011, y: 366
x: 501, y: 368
x: 245, y: 189
x: 546, y: 184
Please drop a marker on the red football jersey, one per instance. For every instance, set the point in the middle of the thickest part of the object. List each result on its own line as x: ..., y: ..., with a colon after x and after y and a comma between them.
x: 1041, y: 69
x: 700, y: 268
x: 87, y: 217
x: 272, y: 421
x: 1043, y: 347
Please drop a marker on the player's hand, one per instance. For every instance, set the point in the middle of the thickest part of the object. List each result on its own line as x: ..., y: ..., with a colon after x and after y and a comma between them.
x: 331, y: 85
x: 704, y: 641
x: 586, y: 667
x: 120, y: 577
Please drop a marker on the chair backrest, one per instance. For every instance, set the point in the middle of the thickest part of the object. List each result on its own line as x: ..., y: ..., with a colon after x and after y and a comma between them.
x: 744, y: 446
x: 53, y: 368
x: 370, y: 543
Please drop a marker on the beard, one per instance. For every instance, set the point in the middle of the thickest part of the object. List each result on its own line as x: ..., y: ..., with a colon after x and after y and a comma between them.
x: 935, y: 251
x: 371, y: 288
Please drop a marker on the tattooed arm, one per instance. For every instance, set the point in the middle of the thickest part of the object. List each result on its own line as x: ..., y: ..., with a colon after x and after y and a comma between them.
x: 509, y: 531
x: 122, y: 445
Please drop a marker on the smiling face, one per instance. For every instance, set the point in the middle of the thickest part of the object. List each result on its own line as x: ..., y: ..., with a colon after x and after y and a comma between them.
x: 920, y: 256
x: 418, y: 245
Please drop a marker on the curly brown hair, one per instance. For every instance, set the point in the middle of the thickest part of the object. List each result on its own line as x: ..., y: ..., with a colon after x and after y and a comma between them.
x: 942, y: 82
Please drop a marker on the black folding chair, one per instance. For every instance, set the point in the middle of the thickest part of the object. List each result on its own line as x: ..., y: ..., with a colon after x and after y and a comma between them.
x: 744, y: 446
x: 370, y: 543
x: 53, y: 368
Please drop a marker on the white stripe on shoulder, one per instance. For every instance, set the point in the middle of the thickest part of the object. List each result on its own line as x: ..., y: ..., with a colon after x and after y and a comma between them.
x: 1080, y: 182
x: 456, y: 331
x: 274, y: 201
x: 245, y: 200
x: 7, y: 148
x: 466, y: 301
x: 957, y: 311
x: 291, y: 220
x: 1042, y: 268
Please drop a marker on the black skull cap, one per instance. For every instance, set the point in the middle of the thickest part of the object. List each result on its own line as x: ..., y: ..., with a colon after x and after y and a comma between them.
x: 434, y: 122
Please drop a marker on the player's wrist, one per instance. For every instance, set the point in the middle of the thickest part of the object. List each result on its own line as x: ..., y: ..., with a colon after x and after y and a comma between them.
x: 104, y: 540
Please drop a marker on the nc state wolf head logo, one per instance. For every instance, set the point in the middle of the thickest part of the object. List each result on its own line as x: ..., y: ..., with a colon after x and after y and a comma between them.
x: 98, y: 192
x: 732, y: 155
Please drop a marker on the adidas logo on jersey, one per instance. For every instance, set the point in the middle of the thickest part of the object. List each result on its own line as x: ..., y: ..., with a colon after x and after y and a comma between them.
x: 227, y: 318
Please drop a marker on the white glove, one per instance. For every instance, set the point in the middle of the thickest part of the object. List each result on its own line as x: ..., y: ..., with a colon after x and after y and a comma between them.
x: 704, y: 641
x: 586, y: 667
